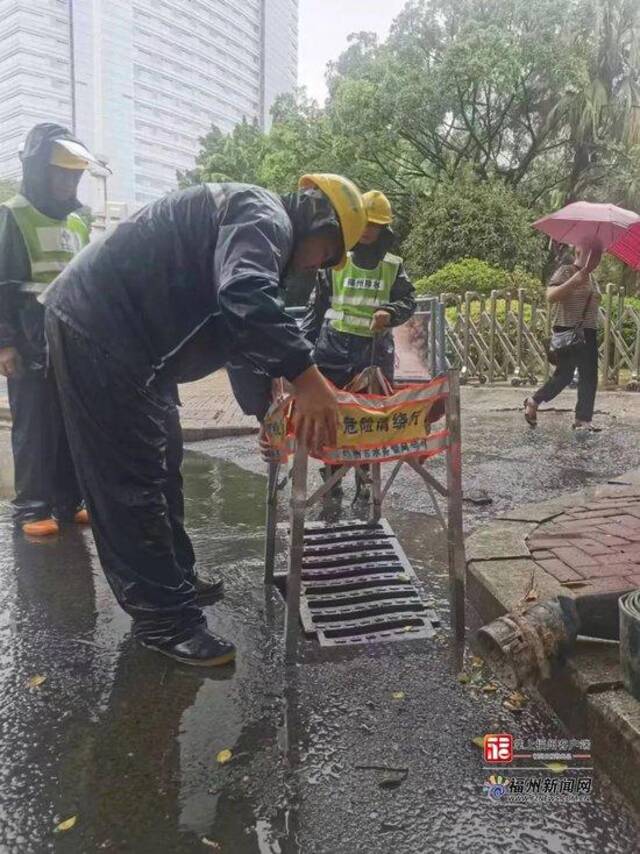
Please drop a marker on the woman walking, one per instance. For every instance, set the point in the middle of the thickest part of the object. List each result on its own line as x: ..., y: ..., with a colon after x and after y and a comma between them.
x: 574, y: 295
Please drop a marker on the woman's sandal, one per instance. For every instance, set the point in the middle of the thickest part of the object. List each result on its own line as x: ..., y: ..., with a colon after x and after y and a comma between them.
x: 532, y: 420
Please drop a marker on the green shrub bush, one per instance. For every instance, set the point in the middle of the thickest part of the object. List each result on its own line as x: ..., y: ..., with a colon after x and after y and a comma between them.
x: 472, y: 274
x: 501, y: 311
x: 471, y: 218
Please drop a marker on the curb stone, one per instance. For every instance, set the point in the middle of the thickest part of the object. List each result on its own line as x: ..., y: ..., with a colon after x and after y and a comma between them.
x: 613, y: 720
x: 201, y: 434
x: 501, y: 540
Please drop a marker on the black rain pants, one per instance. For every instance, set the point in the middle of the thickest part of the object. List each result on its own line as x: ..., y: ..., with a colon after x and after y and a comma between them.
x: 126, y: 443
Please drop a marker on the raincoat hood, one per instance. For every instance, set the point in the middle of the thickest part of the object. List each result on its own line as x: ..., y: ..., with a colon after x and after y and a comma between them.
x: 35, y: 156
x: 311, y: 213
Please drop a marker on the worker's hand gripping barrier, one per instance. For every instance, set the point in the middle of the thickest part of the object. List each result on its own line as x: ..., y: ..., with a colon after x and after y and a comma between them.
x: 403, y: 427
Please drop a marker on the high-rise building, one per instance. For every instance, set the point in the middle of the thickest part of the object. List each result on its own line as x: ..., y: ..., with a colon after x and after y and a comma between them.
x: 141, y: 81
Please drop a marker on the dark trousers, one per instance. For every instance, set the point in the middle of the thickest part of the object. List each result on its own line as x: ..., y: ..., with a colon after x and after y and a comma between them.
x: 586, y: 361
x: 341, y: 356
x: 126, y: 443
x: 45, y: 481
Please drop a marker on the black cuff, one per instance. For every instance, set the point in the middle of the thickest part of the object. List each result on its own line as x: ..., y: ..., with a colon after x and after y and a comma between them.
x: 296, y: 365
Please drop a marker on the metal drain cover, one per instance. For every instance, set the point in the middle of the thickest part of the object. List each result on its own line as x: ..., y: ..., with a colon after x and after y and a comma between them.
x: 359, y: 587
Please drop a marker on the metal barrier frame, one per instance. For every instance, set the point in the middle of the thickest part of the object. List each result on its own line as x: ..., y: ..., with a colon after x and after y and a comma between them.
x: 300, y: 501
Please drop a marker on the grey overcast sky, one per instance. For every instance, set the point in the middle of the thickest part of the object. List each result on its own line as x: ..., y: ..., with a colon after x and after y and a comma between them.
x: 324, y: 27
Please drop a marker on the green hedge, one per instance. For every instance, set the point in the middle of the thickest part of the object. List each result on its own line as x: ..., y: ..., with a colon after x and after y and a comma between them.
x: 472, y: 274
x: 501, y: 311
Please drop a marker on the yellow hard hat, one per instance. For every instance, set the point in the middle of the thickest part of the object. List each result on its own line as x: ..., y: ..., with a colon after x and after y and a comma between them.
x: 378, y: 208
x: 69, y: 154
x: 346, y: 199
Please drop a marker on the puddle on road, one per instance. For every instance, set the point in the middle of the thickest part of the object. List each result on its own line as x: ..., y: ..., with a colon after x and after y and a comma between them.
x: 127, y: 741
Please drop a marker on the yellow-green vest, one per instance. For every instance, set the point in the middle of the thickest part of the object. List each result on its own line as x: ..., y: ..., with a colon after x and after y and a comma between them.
x: 358, y: 293
x: 51, y: 243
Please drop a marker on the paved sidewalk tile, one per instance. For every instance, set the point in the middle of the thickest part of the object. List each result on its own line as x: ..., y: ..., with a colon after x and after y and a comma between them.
x: 209, y: 404
x: 575, y: 558
x: 594, y: 547
x: 559, y: 570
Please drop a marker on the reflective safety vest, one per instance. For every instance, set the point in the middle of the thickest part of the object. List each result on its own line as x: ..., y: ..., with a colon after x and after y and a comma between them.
x: 50, y: 243
x: 358, y: 293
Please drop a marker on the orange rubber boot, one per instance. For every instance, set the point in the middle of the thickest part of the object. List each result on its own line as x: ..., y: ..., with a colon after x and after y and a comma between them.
x: 81, y: 517
x: 41, y: 528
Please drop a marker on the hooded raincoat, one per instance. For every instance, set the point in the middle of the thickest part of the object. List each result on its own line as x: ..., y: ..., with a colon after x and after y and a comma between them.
x: 44, y: 480
x: 188, y: 283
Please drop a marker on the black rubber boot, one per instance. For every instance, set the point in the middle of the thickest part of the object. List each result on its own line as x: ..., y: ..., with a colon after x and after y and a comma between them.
x: 202, y: 649
x: 208, y: 591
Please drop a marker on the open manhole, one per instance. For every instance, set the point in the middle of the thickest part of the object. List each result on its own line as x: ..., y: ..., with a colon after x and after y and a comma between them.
x: 359, y: 587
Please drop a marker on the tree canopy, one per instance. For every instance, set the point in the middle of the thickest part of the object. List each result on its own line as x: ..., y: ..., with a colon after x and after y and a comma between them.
x: 474, y: 116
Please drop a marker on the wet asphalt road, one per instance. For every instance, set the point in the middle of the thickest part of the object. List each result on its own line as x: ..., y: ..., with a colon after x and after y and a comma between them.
x: 127, y: 741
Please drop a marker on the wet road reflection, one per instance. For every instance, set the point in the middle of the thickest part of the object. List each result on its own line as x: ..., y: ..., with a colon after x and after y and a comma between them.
x: 127, y: 741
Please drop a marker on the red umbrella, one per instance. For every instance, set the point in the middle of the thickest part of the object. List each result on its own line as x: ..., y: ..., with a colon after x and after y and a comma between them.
x: 586, y: 223
x: 627, y: 247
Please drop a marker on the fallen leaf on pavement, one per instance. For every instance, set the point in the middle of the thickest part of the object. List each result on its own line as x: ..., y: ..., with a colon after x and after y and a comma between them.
x: 556, y: 767
x: 515, y: 702
x: 398, y: 695
x: 224, y: 756
x: 489, y: 688
x: 67, y: 824
x: 36, y: 681
x: 478, y: 741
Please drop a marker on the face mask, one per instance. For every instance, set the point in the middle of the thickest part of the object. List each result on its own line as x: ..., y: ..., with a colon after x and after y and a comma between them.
x: 368, y: 257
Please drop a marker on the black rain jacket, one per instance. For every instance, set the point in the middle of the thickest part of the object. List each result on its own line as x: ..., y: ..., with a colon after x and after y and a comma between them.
x: 192, y: 280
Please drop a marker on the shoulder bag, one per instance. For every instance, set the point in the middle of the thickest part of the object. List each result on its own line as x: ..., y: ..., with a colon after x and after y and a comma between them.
x: 570, y: 341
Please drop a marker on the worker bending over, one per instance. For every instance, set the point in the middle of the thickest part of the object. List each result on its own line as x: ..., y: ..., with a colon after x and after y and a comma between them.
x: 170, y: 295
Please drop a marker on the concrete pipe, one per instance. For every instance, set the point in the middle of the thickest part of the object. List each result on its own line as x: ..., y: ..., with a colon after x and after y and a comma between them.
x: 520, y: 648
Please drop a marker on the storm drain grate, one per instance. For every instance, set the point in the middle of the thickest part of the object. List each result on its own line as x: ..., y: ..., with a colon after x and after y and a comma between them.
x: 359, y: 587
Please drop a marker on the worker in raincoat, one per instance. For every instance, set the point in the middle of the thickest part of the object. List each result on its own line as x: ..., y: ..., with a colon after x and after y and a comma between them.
x: 40, y: 232
x: 352, y: 310
x: 171, y: 295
